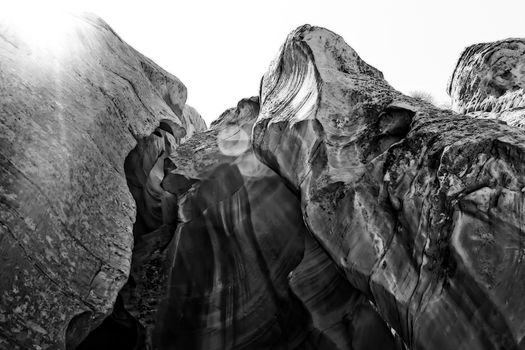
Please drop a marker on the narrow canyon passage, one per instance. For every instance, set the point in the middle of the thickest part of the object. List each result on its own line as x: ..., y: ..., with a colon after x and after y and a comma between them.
x: 222, y: 258
x: 329, y: 212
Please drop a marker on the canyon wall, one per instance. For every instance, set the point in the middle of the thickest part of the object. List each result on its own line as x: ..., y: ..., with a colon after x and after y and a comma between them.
x: 72, y: 108
x: 330, y: 212
x: 419, y: 207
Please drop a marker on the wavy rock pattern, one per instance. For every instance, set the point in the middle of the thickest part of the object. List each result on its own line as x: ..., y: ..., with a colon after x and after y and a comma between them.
x: 344, y: 315
x: 420, y: 208
x: 67, y: 123
x: 244, y: 273
x: 371, y: 210
x: 489, y: 81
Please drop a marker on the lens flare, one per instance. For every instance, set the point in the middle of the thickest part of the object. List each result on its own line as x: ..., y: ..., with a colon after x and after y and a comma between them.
x: 233, y: 140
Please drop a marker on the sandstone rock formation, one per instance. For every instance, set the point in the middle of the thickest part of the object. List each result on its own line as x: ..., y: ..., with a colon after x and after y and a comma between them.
x: 421, y: 208
x: 489, y: 81
x: 71, y: 110
x: 241, y: 271
x: 330, y: 212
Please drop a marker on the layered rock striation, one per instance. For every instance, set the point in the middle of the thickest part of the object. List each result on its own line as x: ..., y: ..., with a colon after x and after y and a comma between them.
x: 421, y: 208
x: 489, y: 81
x: 71, y: 109
x: 330, y: 212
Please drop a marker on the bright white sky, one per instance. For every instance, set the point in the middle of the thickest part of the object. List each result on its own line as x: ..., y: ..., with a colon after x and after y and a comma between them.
x: 220, y: 49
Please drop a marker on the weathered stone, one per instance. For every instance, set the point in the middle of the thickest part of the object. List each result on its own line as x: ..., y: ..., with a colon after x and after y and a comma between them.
x: 71, y: 109
x: 244, y: 272
x: 154, y: 227
x: 421, y: 208
x: 243, y: 114
x: 374, y: 206
x: 489, y: 81
x: 193, y: 121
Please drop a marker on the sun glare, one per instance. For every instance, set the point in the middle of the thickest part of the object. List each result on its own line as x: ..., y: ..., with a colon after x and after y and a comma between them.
x: 41, y: 25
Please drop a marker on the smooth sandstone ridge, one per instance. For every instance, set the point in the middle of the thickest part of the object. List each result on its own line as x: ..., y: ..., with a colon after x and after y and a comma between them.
x: 71, y: 109
x: 489, y: 81
x: 419, y: 207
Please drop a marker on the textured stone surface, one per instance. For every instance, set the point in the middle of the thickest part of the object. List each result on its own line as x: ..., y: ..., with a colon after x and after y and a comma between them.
x: 370, y: 209
x: 421, y: 208
x: 156, y: 220
x: 193, y: 121
x: 489, y: 81
x: 244, y: 272
x: 71, y: 108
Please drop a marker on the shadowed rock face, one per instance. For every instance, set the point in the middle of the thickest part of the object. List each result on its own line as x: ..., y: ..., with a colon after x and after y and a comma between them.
x: 489, y: 81
x: 155, y: 223
x: 70, y: 113
x: 420, y: 208
x: 244, y: 272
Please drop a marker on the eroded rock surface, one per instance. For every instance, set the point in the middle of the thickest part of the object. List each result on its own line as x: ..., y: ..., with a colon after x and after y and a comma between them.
x: 71, y: 109
x: 369, y: 210
x: 421, y: 208
x: 193, y: 121
x: 489, y: 81
x: 244, y: 272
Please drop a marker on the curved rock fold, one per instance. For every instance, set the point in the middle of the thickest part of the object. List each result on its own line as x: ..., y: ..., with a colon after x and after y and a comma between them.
x: 330, y: 212
x: 242, y: 265
x: 71, y: 109
x: 386, y: 185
